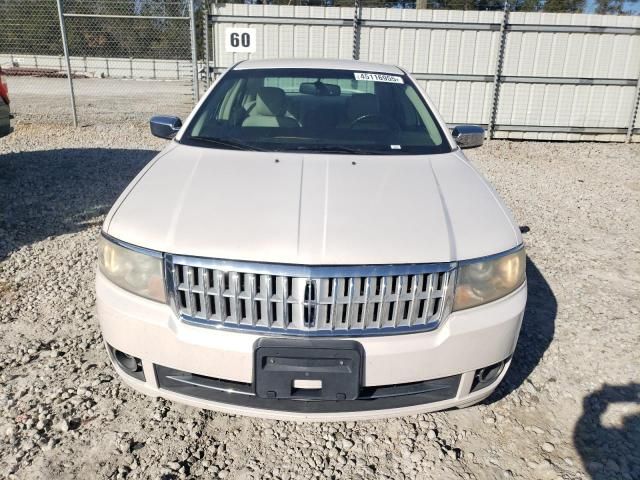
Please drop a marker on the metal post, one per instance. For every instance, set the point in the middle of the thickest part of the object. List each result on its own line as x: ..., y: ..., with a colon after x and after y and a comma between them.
x: 194, y: 52
x: 213, y: 44
x: 65, y: 48
x: 497, y: 77
x: 355, y: 54
x: 207, y: 47
x: 634, y: 111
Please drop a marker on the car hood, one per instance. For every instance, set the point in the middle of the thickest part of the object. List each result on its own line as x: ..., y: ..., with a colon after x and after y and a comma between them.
x: 312, y: 209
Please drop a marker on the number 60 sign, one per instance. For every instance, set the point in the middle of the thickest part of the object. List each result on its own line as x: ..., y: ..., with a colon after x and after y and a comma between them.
x: 240, y: 39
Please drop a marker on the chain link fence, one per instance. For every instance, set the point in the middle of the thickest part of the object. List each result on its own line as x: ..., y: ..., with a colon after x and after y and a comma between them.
x: 31, y: 57
x: 128, y: 59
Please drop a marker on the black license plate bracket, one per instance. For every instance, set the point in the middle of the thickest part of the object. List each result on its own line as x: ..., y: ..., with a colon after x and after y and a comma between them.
x: 328, y: 369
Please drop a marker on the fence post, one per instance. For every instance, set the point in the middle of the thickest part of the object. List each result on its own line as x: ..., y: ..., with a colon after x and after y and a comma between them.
x: 214, y: 38
x: 355, y: 54
x: 207, y: 47
x: 497, y: 77
x: 194, y: 52
x: 65, y: 48
x: 634, y: 111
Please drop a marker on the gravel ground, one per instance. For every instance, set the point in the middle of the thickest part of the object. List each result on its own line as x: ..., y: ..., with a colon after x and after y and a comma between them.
x: 569, y: 407
x: 98, y: 101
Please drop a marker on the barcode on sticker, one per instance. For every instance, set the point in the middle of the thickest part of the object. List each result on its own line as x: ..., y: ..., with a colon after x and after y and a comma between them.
x: 377, y: 77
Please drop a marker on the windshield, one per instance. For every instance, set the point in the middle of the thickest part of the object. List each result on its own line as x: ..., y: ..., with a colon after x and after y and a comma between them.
x: 316, y: 110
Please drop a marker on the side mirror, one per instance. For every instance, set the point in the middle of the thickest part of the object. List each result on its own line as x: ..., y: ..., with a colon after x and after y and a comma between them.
x: 164, y: 126
x: 468, y: 136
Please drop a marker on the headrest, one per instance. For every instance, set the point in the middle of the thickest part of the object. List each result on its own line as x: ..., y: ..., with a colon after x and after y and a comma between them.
x: 361, y: 104
x: 270, y: 102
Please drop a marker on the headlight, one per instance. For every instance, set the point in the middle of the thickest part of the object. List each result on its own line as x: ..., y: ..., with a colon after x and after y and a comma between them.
x: 487, y: 280
x: 136, y: 272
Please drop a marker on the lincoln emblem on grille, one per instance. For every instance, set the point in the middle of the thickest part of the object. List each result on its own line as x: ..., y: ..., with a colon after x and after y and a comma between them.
x: 310, y: 303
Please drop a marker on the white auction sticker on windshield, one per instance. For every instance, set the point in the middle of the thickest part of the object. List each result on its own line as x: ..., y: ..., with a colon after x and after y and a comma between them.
x: 377, y: 77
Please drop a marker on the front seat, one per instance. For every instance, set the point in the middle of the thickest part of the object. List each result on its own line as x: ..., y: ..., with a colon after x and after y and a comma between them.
x: 269, y: 110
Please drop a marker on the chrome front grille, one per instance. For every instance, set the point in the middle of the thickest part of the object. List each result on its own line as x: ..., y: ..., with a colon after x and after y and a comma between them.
x: 299, y: 300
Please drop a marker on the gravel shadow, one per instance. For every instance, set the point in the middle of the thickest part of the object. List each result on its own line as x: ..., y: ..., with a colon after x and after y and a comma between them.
x: 52, y: 192
x: 609, y: 452
x: 536, y: 333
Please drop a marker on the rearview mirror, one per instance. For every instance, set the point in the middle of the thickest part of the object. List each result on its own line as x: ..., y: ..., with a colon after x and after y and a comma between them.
x: 164, y: 126
x: 320, y: 89
x: 468, y: 136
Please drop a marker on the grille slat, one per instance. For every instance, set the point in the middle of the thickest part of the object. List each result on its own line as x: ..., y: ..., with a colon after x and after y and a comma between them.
x: 332, y: 308
x: 191, y: 300
x: 268, y: 286
x: 350, y: 310
x: 204, y: 283
x: 367, y: 300
x: 414, y: 293
x: 399, y: 290
x: 385, y: 305
x: 353, y: 302
x: 284, y: 301
x: 220, y: 303
x: 252, y: 300
x: 234, y: 280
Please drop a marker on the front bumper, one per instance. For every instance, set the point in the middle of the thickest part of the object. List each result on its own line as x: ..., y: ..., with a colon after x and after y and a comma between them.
x: 465, y: 342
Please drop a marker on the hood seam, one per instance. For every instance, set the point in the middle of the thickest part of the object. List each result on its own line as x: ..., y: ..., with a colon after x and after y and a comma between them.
x: 453, y: 253
x: 177, y: 213
x: 300, y: 207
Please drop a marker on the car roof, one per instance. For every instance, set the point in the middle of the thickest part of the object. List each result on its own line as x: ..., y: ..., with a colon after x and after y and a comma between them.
x: 354, y: 65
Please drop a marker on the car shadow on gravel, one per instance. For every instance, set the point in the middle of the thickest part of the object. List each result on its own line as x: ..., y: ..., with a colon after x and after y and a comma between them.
x: 52, y: 192
x: 609, y: 449
x: 536, y: 333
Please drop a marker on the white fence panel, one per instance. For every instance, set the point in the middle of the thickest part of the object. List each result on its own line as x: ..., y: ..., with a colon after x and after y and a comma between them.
x: 423, y: 50
x: 461, y: 102
x: 563, y: 76
x: 591, y: 77
x: 288, y: 37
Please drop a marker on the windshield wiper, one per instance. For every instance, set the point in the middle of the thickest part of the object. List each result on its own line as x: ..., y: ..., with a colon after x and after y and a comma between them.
x: 337, y: 149
x: 227, y: 142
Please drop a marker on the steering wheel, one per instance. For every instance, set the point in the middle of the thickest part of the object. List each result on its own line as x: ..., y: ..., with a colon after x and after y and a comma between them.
x: 376, y: 118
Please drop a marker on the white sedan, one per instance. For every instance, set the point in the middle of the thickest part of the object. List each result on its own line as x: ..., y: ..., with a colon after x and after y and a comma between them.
x: 312, y: 244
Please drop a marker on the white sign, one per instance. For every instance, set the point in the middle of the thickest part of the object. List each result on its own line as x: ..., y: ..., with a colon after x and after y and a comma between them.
x: 240, y: 40
x: 377, y: 77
